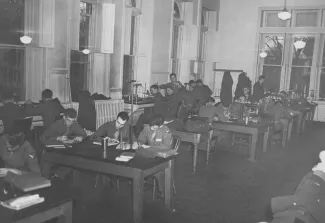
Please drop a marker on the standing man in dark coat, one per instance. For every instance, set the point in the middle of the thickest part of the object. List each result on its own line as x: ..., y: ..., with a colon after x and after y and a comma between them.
x: 226, y: 89
x: 258, y: 89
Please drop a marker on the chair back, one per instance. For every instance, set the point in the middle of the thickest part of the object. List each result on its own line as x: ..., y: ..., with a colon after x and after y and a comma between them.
x: 176, y: 141
x: 23, y: 125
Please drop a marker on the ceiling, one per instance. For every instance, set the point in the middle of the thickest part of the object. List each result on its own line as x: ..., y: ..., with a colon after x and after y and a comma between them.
x: 211, y: 4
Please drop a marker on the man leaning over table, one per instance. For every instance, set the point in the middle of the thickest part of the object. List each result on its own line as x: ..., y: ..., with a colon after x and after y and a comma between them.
x: 156, y: 135
x: 114, y: 129
x: 58, y: 133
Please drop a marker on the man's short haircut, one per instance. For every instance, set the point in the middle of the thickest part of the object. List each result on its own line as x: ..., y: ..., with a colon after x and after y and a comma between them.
x: 170, y: 87
x: 7, y: 95
x: 192, y: 82
x: 155, y: 86
x: 261, y: 77
x: 211, y: 99
x: 267, y: 94
x: 123, y: 115
x: 199, y: 81
x: 70, y: 113
x: 156, y: 120
x: 47, y: 93
x: 172, y: 74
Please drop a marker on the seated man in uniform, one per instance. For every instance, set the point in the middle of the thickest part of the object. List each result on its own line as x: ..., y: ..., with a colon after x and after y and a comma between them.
x: 49, y: 108
x: 16, y: 153
x: 278, y: 111
x: 115, y: 129
x: 64, y: 129
x: 199, y: 83
x: 192, y: 85
x: 158, y: 136
x: 174, y: 84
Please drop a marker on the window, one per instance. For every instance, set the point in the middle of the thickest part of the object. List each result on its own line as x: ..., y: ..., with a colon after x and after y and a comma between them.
x: 204, y: 17
x: 306, y: 19
x: 270, y: 19
x: 12, y: 51
x: 177, y: 14
x: 80, y: 62
x: 322, y: 74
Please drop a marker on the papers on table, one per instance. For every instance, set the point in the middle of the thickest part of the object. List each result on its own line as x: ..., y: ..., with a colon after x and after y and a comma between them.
x: 22, y: 202
x: 125, y: 157
x: 145, y: 146
x: 59, y: 146
x: 167, y: 122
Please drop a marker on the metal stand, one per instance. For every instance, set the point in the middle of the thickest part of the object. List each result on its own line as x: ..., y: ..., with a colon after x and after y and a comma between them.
x: 132, y: 82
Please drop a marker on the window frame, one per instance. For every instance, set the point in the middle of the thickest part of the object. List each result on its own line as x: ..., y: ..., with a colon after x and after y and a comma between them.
x: 296, y: 12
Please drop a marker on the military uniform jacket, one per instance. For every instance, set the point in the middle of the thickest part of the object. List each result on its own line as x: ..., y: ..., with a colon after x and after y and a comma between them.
x: 24, y: 158
x: 161, y: 138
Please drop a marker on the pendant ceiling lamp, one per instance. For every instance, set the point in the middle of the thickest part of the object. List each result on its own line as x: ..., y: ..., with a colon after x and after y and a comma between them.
x: 299, y: 44
x: 26, y: 39
x: 263, y: 54
x: 285, y: 14
x: 85, y: 51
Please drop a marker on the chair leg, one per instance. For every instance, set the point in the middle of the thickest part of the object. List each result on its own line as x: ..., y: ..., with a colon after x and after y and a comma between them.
x: 174, y: 189
x: 154, y: 189
x: 118, y: 185
x: 96, y: 180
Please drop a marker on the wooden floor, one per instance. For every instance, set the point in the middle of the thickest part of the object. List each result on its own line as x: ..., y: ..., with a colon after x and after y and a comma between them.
x: 230, y: 190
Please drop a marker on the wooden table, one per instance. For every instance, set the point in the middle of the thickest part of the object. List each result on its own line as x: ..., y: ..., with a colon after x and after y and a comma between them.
x: 252, y: 129
x: 193, y: 138
x: 57, y: 203
x: 88, y: 156
x: 287, y: 130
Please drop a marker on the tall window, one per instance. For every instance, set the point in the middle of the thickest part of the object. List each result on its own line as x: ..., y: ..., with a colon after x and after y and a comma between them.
x: 322, y: 72
x: 12, y: 51
x: 294, y: 56
x: 176, y: 38
x: 80, y: 62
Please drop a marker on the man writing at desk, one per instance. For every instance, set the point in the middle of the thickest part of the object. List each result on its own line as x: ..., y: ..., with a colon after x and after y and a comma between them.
x: 156, y: 135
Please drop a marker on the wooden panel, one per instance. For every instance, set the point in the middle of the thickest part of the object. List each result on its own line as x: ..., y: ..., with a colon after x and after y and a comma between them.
x: 34, y: 73
x: 58, y: 83
x: 74, y: 24
x: 185, y: 71
x: 212, y: 23
x: 107, y: 37
x: 46, y: 23
x: 189, y: 42
x: 145, y: 28
x: 211, y: 46
x: 127, y: 31
x: 99, y: 73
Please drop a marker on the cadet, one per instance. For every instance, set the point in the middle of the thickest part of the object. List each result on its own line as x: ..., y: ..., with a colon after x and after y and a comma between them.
x: 17, y: 153
x: 62, y: 129
x: 113, y: 129
x: 49, y: 108
x: 156, y: 135
x: 174, y: 84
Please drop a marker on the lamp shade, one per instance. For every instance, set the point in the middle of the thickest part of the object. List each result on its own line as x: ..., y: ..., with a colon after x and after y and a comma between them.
x: 86, y: 51
x: 26, y: 39
x: 284, y: 15
x: 299, y: 44
x: 263, y: 54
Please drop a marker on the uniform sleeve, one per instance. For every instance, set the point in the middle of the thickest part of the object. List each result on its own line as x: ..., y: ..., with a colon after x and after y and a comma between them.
x: 78, y: 131
x: 286, y: 114
x: 167, y: 139
x: 30, y: 158
x: 143, y: 135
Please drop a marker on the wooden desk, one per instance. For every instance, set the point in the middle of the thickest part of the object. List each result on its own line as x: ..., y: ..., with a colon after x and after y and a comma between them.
x: 193, y: 138
x: 57, y: 203
x: 88, y: 156
x: 287, y: 130
x: 252, y: 129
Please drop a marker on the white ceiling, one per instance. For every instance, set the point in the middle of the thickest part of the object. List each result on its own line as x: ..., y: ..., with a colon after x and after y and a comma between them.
x: 211, y: 4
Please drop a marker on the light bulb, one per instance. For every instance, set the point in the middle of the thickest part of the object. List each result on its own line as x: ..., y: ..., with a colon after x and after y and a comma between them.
x: 26, y: 39
x: 86, y: 51
x: 263, y: 54
x: 284, y: 15
x: 299, y: 44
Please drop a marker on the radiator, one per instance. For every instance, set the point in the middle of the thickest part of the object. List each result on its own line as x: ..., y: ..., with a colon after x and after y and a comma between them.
x: 106, y: 110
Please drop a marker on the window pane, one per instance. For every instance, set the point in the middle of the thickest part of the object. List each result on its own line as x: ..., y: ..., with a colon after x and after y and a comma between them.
x: 323, y: 59
x: 177, y: 14
x: 79, y: 57
x: 274, y: 49
x: 303, y: 51
x: 175, y: 41
x: 84, y: 32
x: 11, y: 21
x: 273, y: 77
x: 306, y: 19
x: 132, y: 39
x: 300, y: 79
x: 78, y: 79
x: 322, y: 85
x: 12, y: 65
x: 272, y: 20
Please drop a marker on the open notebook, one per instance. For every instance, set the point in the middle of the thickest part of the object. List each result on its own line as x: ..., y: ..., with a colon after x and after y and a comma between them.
x: 27, y: 181
x: 25, y: 201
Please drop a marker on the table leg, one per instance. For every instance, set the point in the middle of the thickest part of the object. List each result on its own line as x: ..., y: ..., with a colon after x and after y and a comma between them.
x: 289, y: 130
x: 169, y: 182
x: 266, y: 140
x: 208, y: 147
x: 284, y: 134
x: 138, y: 185
x: 67, y: 214
x: 299, y: 123
x: 303, y: 124
x: 253, y: 147
x: 195, y: 157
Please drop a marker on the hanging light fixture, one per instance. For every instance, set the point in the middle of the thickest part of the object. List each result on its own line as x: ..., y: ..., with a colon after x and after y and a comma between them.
x: 85, y: 51
x: 285, y: 14
x: 263, y: 54
x: 26, y: 39
x: 299, y: 44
